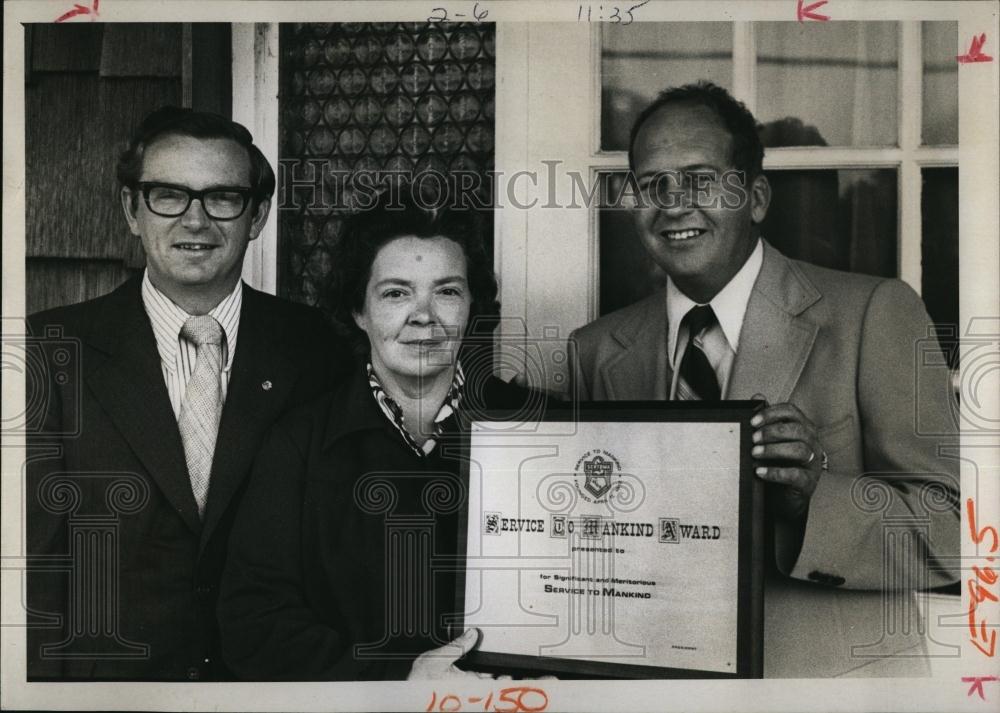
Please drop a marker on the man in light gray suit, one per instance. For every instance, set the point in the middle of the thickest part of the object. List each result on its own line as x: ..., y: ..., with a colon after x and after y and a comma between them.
x: 861, y: 508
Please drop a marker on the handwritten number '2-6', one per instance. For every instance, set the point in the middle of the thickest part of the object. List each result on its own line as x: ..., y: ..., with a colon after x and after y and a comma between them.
x: 616, y: 17
x: 477, y: 14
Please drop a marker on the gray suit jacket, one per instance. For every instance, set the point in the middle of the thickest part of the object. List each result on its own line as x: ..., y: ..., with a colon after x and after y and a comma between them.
x: 851, y: 351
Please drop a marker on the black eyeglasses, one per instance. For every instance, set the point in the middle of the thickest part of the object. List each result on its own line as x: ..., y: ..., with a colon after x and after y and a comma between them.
x: 170, y: 201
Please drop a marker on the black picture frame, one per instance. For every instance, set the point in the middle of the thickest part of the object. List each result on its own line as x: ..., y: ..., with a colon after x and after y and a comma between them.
x: 751, y: 548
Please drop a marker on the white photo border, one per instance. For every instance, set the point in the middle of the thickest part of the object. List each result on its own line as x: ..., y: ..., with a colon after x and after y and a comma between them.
x: 979, y: 191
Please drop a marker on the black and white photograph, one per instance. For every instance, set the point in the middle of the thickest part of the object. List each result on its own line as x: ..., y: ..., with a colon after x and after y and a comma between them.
x: 500, y: 356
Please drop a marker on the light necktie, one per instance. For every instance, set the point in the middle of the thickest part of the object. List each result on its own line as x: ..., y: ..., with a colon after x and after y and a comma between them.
x: 202, y: 406
x: 697, y: 377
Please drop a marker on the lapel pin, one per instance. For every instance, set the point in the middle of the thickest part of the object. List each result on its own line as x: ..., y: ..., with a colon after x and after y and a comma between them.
x: 266, y: 385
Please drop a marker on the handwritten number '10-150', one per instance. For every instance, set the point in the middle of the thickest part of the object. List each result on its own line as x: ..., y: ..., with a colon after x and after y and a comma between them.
x: 519, y: 699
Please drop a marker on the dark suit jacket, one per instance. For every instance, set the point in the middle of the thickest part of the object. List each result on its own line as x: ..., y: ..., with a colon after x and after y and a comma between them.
x: 330, y: 573
x: 853, y: 353
x: 108, y: 492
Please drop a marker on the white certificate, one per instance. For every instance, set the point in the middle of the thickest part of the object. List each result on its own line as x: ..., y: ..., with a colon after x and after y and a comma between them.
x: 610, y: 545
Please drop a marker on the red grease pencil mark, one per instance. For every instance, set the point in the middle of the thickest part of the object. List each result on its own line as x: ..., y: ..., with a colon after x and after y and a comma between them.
x: 78, y: 9
x: 975, y: 53
x: 977, y: 591
x: 806, y: 12
x: 977, y: 684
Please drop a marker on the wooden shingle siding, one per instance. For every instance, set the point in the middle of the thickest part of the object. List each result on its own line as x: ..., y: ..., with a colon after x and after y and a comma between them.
x: 66, y: 48
x: 73, y: 209
x: 57, y: 281
x: 88, y: 86
x: 141, y: 50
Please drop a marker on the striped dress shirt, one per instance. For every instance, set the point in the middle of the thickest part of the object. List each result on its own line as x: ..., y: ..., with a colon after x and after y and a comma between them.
x: 721, y: 341
x: 178, y: 355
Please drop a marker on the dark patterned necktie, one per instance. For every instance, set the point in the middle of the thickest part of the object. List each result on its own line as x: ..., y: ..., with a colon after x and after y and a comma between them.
x: 697, y: 377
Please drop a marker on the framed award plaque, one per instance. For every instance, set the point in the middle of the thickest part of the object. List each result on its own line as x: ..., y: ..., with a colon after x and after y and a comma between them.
x: 618, y: 539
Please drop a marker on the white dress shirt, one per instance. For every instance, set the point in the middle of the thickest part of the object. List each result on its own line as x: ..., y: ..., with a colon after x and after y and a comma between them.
x: 721, y: 341
x: 178, y: 355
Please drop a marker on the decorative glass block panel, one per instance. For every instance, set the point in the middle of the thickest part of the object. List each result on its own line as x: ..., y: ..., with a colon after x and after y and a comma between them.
x: 448, y: 139
x: 337, y: 51
x: 384, y: 80
x: 415, y: 140
x: 837, y: 79
x: 940, y: 100
x: 351, y: 81
x: 482, y: 75
x: 415, y: 79
x: 844, y: 220
x: 431, y: 109
x: 310, y: 113
x: 448, y: 77
x: 480, y: 139
x: 310, y: 53
x: 321, y: 141
x: 399, y: 48
x: 321, y: 82
x: 465, y: 45
x: 383, y: 140
x: 383, y: 97
x: 432, y: 46
x: 399, y: 110
x: 640, y: 60
x: 337, y: 112
x: 367, y: 110
x: 367, y: 50
x: 352, y: 142
x: 465, y: 108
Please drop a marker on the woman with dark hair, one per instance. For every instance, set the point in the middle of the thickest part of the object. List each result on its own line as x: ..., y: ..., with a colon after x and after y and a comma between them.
x: 339, y: 561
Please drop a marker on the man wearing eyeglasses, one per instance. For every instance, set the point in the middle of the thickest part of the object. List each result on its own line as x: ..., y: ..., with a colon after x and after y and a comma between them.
x: 180, y: 373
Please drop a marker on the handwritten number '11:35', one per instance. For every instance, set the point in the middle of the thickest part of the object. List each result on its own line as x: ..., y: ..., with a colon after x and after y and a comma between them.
x: 608, y: 13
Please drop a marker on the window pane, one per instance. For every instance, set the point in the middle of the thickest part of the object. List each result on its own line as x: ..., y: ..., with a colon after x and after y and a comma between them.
x: 939, y: 249
x: 640, y: 60
x: 835, y: 82
x: 627, y: 273
x: 839, y: 219
x: 845, y: 220
x: 940, y: 119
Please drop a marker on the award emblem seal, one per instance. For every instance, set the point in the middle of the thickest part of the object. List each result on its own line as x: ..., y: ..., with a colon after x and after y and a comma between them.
x: 597, y: 475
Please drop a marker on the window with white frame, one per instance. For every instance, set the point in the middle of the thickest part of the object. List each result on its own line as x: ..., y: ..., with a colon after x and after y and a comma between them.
x: 862, y: 133
x: 859, y: 121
